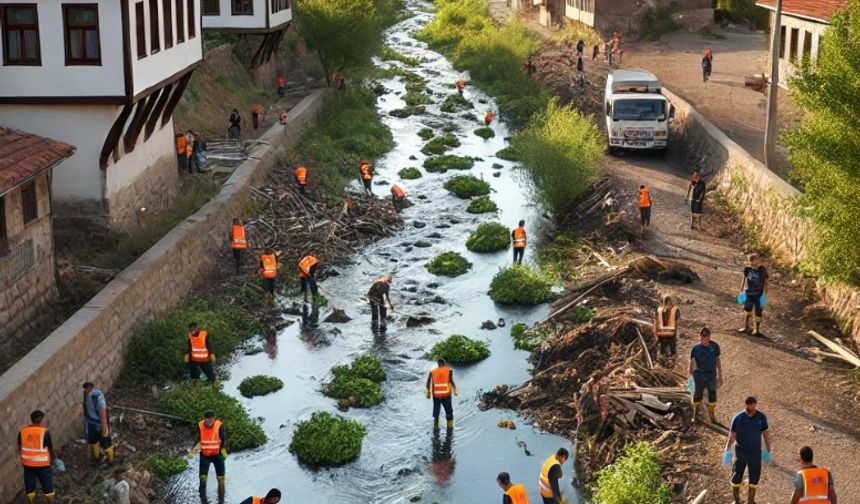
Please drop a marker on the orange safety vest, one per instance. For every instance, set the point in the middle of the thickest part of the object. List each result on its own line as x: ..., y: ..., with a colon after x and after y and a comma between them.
x: 441, y: 377
x: 398, y: 191
x: 815, y: 485
x: 282, y: 82
x: 306, y: 264
x: 257, y: 109
x: 461, y: 84
x: 489, y: 118
x: 543, y: 481
x: 256, y: 500
x: 270, y: 266
x: 364, y: 168
x: 238, y: 241
x: 519, y: 238
x: 34, y: 453
x: 644, y: 198
x: 210, y: 439
x: 669, y: 329
x: 302, y: 175
x: 181, y: 145
x: 199, y: 352
x: 518, y: 494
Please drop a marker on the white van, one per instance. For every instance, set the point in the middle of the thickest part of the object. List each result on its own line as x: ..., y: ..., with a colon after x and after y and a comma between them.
x: 637, y: 113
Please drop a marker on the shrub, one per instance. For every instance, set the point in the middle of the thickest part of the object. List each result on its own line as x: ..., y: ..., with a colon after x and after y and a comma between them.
x: 327, y: 440
x: 459, y: 349
x: 391, y: 54
x: 414, y: 98
x: 190, y: 403
x: 409, y: 173
x: 449, y: 264
x: 455, y: 102
x: 358, y: 384
x: 441, y: 164
x: 441, y: 144
x: 163, y: 467
x: 489, y: 237
x: 634, y: 478
x: 508, y: 154
x: 520, y: 284
x: 485, y: 132
x: 260, y: 385
x: 467, y: 186
x: 426, y: 133
x: 481, y: 204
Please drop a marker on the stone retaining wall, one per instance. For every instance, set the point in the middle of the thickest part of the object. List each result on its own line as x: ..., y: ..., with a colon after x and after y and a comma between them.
x: 90, y: 345
x: 765, y: 199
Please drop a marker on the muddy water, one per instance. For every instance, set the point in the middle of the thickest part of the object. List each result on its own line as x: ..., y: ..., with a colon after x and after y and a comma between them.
x: 402, y: 459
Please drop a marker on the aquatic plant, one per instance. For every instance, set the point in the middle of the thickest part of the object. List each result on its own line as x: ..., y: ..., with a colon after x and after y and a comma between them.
x: 259, y: 385
x: 485, y: 132
x: 440, y: 145
x: 489, y: 237
x: 357, y: 384
x: 448, y: 264
x: 455, y: 102
x: 414, y: 98
x: 441, y: 164
x: 409, y: 173
x: 458, y: 349
x: 467, y: 186
x: 165, y: 466
x: 426, y: 133
x: 327, y: 440
x: 520, y: 284
x: 481, y: 204
x: 634, y: 478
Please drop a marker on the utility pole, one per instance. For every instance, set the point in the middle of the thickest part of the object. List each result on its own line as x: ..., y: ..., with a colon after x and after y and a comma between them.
x: 771, y: 128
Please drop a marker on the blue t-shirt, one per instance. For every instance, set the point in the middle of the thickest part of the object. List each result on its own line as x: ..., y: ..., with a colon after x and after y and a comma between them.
x: 94, y: 402
x: 748, y: 430
x: 705, y: 357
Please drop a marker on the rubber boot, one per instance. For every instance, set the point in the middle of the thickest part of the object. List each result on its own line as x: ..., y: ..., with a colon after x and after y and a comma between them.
x: 736, y: 494
x: 49, y: 497
x: 31, y: 497
x: 110, y: 451
x: 746, y: 327
x: 436, y: 423
x: 756, y: 325
x: 751, y: 495
x: 696, y: 407
x: 712, y: 412
x: 195, y: 382
x: 450, y: 424
x: 203, y: 479
x: 95, y: 454
x: 221, y: 486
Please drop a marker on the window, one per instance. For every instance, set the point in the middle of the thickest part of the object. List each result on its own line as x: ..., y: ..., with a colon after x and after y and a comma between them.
x: 20, y: 35
x: 180, y: 21
x: 211, y: 7
x: 81, y: 23
x: 168, y: 23
x: 807, y: 45
x: 280, y: 5
x: 29, y: 204
x: 782, y: 42
x: 792, y: 50
x: 242, y: 7
x: 192, y: 20
x: 140, y: 29
x: 154, y: 31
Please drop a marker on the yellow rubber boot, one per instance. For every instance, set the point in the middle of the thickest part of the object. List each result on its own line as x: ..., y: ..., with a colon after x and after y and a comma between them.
x: 751, y: 494
x: 746, y: 328
x: 221, y: 486
x: 696, y: 407
x: 110, y: 451
x: 736, y: 494
x: 31, y: 497
x: 712, y: 407
x: 216, y: 385
x: 49, y: 497
x: 195, y: 383
x: 95, y: 452
x: 450, y: 424
x: 756, y: 325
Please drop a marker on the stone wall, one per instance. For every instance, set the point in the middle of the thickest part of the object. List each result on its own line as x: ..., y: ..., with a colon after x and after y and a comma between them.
x: 767, y: 200
x: 89, y: 346
x: 626, y: 15
x: 154, y: 189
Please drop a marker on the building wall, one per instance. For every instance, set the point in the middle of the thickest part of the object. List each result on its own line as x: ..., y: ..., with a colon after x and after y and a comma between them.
x: 279, y: 18
x: 227, y: 20
x: 809, y: 35
x: 581, y: 11
x: 626, y: 15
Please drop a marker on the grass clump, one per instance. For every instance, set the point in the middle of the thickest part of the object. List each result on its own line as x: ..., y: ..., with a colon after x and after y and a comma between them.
x: 327, y: 440
x: 509, y: 153
x: 481, y: 204
x: 407, y: 111
x: 459, y: 349
x: 467, y: 186
x: 414, y: 98
x: 440, y: 145
x: 579, y: 315
x: 454, y: 103
x: 520, y: 285
x: 357, y: 384
x: 163, y: 467
x: 391, y: 54
x: 426, y: 133
x: 560, y: 259
x: 486, y: 132
x: 449, y: 264
x: 489, y: 237
x: 190, y: 403
x: 634, y: 478
x: 260, y: 385
x: 441, y: 164
x: 410, y: 173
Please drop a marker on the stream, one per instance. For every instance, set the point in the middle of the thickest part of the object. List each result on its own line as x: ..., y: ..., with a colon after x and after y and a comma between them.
x: 402, y: 459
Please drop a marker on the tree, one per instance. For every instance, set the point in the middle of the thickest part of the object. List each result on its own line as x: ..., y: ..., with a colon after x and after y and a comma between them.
x: 824, y: 148
x: 345, y: 33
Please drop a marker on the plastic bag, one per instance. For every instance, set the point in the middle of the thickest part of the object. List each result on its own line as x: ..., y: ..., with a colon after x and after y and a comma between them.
x: 58, y: 466
x: 742, y: 297
x: 691, y: 385
x: 763, y: 300
x: 766, y: 457
x: 727, y: 458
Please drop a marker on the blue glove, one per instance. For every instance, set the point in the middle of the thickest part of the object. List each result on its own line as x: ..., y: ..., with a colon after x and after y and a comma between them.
x: 691, y: 385
x: 763, y: 300
x: 727, y: 458
x: 766, y: 457
x: 742, y: 297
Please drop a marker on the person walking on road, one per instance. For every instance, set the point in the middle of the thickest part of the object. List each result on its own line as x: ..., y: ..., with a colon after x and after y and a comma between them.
x: 519, y: 238
x: 550, y: 475
x: 812, y: 484
x: 644, y: 209
x: 514, y: 493
x: 37, y: 453
x: 753, y: 294
x: 272, y: 497
x: 706, y: 370
x: 707, y: 65
x: 95, y: 412
x: 666, y: 326
x: 200, y: 355
x: 378, y: 295
x: 212, y: 440
x: 696, y: 198
x: 440, y: 384
x: 747, y: 430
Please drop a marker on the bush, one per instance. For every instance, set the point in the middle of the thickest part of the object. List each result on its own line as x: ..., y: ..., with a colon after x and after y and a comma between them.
x: 156, y: 348
x: 634, y: 478
x: 481, y: 204
x: 409, y: 173
x: 467, y: 186
x: 561, y: 151
x: 458, y: 349
x: 455, y: 102
x: 658, y: 22
x: 561, y: 258
x: 163, y: 467
x: 358, y: 384
x: 406, y: 112
x: 391, y: 54
x: 449, y: 264
x: 414, y: 98
x: 260, y: 385
x: 520, y: 284
x: 522, y: 340
x: 426, y: 133
x: 579, y: 315
x: 489, y: 237
x: 508, y: 154
x: 485, y: 132
x: 327, y: 440
x: 442, y: 144
x: 190, y: 403
x: 441, y: 164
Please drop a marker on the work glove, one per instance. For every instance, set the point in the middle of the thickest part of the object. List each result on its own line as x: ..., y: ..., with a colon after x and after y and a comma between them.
x: 691, y: 385
x: 456, y: 392
x: 224, y: 453
x: 727, y: 457
x: 212, y: 357
x: 742, y: 297
x: 427, y: 393
x: 185, y: 358
x: 766, y: 456
x: 763, y: 300
x: 562, y: 500
x: 193, y: 451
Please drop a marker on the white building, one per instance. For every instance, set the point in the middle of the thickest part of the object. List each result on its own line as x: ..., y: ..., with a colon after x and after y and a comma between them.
x: 105, y: 76
x: 269, y: 18
x: 803, y: 25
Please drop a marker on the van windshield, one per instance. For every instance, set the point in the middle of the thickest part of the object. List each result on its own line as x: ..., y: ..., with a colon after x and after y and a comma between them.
x: 639, y: 110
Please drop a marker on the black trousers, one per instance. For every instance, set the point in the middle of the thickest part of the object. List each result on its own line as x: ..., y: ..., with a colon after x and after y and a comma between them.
x: 518, y: 254
x: 378, y: 313
x: 445, y: 403
x: 704, y: 381
x: 40, y: 475
x: 206, y: 367
x: 237, y: 258
x: 668, y: 345
x: 645, y: 216
x: 746, y: 460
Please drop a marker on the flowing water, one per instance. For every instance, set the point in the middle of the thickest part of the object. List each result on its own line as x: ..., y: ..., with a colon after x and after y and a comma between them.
x: 402, y: 458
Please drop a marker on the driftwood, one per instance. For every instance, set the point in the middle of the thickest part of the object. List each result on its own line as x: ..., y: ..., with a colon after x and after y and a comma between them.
x: 700, y: 499
x: 147, y: 412
x: 839, y: 350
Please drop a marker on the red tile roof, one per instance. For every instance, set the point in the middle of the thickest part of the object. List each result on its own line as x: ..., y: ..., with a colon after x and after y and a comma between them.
x: 821, y: 10
x: 23, y: 155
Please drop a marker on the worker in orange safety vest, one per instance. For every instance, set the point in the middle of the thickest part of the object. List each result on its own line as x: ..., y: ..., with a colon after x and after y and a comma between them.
x: 182, y: 151
x: 812, y: 484
x: 398, y: 198
x: 514, y: 493
x: 666, y: 326
x: 269, y: 270
x: 307, y: 277
x: 37, y: 452
x: 440, y: 385
x: 200, y: 355
x: 238, y: 242
x: 301, y: 177
x: 365, y: 172
x: 282, y: 86
x: 460, y: 85
x: 488, y: 118
x: 518, y: 235
x: 273, y: 497
x: 644, y: 208
x: 212, y: 442
x: 550, y: 476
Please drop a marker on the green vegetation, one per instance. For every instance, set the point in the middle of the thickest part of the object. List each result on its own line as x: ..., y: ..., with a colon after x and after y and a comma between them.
x: 823, y: 150
x: 579, y: 314
x: 156, y: 348
x: 163, y: 467
x: 522, y: 339
x: 391, y: 54
x: 467, y: 186
x: 415, y: 98
x: 481, y: 204
x: 455, y: 102
x: 426, y: 133
x: 449, y: 264
x: 561, y: 152
x: 742, y: 11
x: 327, y: 440
x: 407, y: 111
x: 191, y: 402
x: 357, y: 385
x: 509, y: 153
x: 459, y: 349
x: 521, y: 285
x: 560, y: 258
x: 442, y: 144
x: 489, y: 237
x: 485, y: 132
x: 658, y: 22
x: 260, y: 385
x: 634, y: 478
x: 441, y: 164
x: 410, y: 173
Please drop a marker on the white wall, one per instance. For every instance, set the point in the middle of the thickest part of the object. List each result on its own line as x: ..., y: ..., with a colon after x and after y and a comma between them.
x: 806, y: 28
x: 125, y: 171
x: 227, y: 20
x: 280, y: 18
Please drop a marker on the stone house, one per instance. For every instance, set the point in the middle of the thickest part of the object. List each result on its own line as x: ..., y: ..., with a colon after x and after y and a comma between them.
x: 625, y: 16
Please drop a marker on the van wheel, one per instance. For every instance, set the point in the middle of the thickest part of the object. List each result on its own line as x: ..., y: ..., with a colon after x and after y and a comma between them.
x: 613, y: 151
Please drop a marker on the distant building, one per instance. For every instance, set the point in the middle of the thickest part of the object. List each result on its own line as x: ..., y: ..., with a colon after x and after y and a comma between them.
x: 104, y: 76
x: 802, y: 29
x: 28, y: 289
x: 270, y: 18
x: 625, y: 16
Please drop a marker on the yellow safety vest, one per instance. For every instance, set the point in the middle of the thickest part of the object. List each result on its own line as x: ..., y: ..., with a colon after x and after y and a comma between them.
x: 545, y: 487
